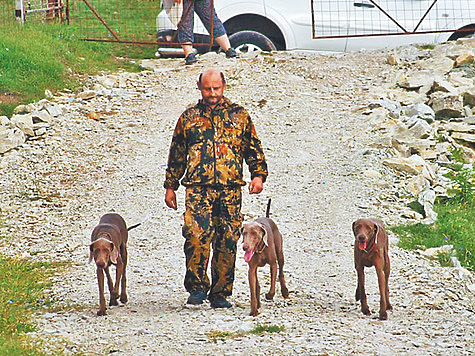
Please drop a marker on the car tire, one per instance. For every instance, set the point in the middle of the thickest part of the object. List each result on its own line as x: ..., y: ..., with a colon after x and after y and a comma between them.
x: 249, y: 41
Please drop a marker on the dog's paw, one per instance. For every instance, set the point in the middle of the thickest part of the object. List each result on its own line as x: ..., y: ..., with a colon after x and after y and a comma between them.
x: 285, y: 293
x: 389, y: 307
x: 101, y: 312
x: 270, y: 296
x: 254, y: 313
x: 123, y: 298
x: 383, y: 316
x: 113, y: 302
x: 366, y: 311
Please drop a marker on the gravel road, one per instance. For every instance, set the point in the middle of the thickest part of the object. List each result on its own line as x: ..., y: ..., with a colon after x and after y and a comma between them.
x: 318, y: 145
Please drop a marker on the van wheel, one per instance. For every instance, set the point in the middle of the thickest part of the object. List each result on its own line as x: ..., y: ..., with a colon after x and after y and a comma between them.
x: 249, y: 41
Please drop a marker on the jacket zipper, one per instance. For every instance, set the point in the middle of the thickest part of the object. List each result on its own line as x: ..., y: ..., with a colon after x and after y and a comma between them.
x: 214, y: 146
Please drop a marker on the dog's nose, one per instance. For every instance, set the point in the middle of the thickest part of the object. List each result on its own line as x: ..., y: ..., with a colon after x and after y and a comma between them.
x: 361, y: 238
x: 100, y: 264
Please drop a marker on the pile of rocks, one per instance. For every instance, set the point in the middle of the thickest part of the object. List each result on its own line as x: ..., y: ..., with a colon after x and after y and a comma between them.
x: 29, y: 122
x: 425, y: 112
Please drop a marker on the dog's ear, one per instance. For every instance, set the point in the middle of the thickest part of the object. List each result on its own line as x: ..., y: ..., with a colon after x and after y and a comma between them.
x: 91, y: 251
x: 114, y: 254
x: 376, y: 233
x: 354, y: 227
x: 264, y: 232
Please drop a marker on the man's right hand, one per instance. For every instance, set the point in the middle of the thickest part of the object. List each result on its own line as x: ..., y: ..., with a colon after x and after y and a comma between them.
x: 170, y: 198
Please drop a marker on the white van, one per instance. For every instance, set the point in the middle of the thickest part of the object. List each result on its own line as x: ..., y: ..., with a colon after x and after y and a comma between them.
x: 330, y: 25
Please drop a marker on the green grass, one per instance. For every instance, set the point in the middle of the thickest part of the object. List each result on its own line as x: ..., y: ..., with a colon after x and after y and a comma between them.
x: 36, y: 57
x: 22, y: 292
x: 455, y: 223
x: 259, y: 329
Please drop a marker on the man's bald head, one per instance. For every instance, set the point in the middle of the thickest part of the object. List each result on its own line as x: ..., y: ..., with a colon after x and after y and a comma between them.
x: 211, y: 84
x: 211, y: 73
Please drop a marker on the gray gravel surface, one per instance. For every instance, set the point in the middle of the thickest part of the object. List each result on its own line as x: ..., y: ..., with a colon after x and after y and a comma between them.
x: 305, y: 109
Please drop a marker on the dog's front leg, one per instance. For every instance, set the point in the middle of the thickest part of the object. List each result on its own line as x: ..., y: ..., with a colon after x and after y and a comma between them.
x: 110, y: 284
x: 361, y: 293
x: 118, y: 275
x: 383, y: 315
x: 253, y: 285
x: 273, y: 277
x: 102, y: 299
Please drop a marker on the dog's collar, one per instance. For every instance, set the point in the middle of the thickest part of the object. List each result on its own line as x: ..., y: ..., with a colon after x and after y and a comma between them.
x: 104, y: 236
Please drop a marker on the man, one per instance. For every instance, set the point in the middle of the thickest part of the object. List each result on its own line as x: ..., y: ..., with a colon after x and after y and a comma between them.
x: 210, y: 142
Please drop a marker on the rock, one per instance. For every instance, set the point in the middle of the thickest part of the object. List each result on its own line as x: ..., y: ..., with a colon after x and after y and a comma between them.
x: 417, y: 184
x: 464, y: 59
x: 41, y: 116
x: 372, y: 173
x: 86, y: 95
x: 464, y: 137
x: 393, y: 59
x: 443, y: 86
x: 393, y: 107
x: 419, y: 128
x: 427, y: 199
x: 447, y: 105
x: 421, y: 111
x: 454, y: 262
x: 53, y: 110
x: 416, y: 80
x: 457, y: 79
x: 21, y: 110
x: 4, y: 121
x: 24, y: 123
x: 469, y: 98
x: 413, y: 164
x: 10, y: 139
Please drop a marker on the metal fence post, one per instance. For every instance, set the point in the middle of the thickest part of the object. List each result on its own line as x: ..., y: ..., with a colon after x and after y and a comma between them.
x: 20, y: 11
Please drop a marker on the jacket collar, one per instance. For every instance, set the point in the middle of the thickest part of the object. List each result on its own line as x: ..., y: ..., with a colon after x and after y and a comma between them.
x: 223, y: 105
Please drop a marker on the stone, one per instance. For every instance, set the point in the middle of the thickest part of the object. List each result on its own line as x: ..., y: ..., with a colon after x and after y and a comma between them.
x: 457, y: 79
x: 86, y: 95
x: 417, y: 184
x: 413, y: 164
x: 4, y: 121
x: 447, y: 105
x: 427, y: 199
x: 53, y: 110
x: 421, y: 111
x: 464, y: 59
x: 21, y: 110
x: 443, y: 86
x: 24, y: 123
x: 393, y: 59
x: 41, y: 116
x: 416, y: 80
x: 469, y: 98
x: 372, y: 173
x: 419, y: 128
x: 464, y: 136
x: 10, y: 139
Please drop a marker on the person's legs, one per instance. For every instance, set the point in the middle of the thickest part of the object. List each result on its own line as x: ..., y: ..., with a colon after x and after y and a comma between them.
x: 204, y: 10
x: 225, y: 243
x: 185, y: 27
x: 198, y: 233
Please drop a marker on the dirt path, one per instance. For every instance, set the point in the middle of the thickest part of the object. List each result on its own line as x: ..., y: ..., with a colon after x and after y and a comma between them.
x: 317, y: 146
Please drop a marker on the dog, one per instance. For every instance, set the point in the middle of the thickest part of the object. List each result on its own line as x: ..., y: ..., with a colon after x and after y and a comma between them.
x: 262, y: 243
x: 109, y: 246
x: 371, y: 249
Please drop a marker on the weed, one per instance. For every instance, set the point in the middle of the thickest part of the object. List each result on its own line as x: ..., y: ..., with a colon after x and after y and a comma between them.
x: 259, y: 329
x: 428, y: 47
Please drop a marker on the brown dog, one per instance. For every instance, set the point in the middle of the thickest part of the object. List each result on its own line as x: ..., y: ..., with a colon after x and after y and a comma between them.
x: 262, y: 243
x: 109, y: 246
x: 371, y: 249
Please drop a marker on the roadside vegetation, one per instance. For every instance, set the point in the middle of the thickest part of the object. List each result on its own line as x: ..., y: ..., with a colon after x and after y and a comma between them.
x: 455, y: 222
x: 259, y: 329
x: 23, y: 291
x: 49, y: 56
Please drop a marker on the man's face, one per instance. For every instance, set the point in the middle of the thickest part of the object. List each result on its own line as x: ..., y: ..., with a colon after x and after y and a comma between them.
x: 212, y: 88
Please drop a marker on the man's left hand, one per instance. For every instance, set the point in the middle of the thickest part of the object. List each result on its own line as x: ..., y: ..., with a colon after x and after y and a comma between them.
x: 256, y: 186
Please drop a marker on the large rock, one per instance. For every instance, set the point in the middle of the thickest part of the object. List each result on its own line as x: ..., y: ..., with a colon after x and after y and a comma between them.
x: 24, y: 123
x: 421, y: 111
x: 11, y: 138
x: 41, y: 116
x: 469, y: 98
x: 416, y: 80
x: 464, y: 137
x: 413, y: 164
x: 465, y: 58
x: 447, y: 105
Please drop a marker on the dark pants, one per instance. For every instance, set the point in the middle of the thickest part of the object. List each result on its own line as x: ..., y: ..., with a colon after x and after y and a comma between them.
x: 204, y: 11
x: 212, y: 218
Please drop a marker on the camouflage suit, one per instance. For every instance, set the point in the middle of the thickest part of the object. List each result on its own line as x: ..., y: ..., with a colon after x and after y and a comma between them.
x: 208, y: 148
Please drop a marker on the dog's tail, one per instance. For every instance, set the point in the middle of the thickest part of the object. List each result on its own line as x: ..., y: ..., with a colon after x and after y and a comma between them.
x: 268, y: 208
x: 133, y: 226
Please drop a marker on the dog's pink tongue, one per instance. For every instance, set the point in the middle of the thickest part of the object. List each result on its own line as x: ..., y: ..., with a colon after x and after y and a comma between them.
x: 248, y: 255
x: 362, y: 246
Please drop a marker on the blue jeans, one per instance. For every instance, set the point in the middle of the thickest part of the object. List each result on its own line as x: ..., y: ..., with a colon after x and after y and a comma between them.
x: 204, y: 10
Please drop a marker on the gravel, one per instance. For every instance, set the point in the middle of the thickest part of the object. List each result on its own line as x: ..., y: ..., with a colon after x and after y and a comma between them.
x: 108, y: 152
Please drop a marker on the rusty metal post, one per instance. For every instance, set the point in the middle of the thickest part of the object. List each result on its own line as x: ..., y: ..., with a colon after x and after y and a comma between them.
x: 88, y: 4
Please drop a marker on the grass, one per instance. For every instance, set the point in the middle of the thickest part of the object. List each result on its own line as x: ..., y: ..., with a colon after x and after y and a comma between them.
x: 455, y: 222
x: 36, y: 57
x: 259, y: 329
x: 22, y: 292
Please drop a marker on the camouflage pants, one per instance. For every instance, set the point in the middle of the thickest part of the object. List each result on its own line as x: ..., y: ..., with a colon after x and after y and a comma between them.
x: 212, y: 218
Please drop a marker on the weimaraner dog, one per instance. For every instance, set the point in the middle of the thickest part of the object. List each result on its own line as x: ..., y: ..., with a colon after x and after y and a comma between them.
x: 109, y: 246
x: 371, y: 249
x: 262, y: 243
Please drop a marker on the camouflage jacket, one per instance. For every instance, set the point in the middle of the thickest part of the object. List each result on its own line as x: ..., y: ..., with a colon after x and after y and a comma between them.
x: 211, y: 144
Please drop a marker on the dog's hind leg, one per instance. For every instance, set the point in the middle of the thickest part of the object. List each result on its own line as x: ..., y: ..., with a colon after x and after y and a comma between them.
x: 123, y: 284
x: 283, y: 285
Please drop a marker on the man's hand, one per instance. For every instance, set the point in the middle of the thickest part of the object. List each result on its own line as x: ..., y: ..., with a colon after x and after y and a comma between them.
x: 256, y: 186
x: 170, y: 198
